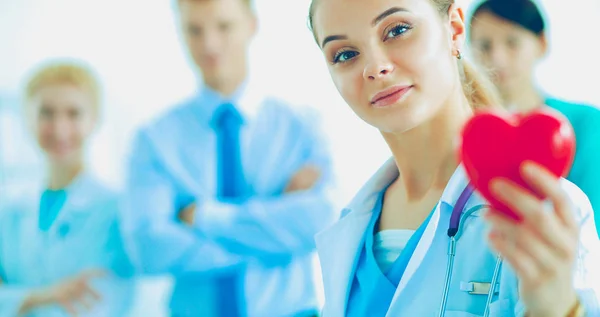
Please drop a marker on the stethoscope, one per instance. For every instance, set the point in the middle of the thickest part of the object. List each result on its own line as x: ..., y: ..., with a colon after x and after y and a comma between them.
x: 453, y: 230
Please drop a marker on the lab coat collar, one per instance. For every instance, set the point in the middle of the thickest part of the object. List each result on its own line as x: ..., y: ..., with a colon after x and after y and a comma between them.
x: 78, y: 194
x: 367, y: 196
x: 339, y: 245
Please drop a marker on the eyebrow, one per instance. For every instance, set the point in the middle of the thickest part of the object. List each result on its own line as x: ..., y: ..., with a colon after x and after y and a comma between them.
x: 375, y: 21
x: 386, y: 14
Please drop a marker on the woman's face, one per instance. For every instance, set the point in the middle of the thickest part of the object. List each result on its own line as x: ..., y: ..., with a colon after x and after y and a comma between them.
x: 61, y: 117
x: 509, y: 51
x: 393, y: 61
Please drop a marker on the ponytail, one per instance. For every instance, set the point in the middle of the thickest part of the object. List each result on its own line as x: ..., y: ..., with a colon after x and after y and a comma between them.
x: 480, y: 91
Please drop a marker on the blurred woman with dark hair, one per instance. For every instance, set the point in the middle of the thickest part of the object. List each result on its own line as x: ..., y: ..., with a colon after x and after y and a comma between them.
x: 509, y: 37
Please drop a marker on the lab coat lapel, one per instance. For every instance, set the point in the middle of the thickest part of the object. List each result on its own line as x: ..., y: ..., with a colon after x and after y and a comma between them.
x: 75, y: 206
x: 339, y: 245
x: 338, y: 248
x: 458, y: 182
x: 420, y: 251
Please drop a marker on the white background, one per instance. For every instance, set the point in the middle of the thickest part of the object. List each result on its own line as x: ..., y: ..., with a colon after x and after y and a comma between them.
x: 135, y: 48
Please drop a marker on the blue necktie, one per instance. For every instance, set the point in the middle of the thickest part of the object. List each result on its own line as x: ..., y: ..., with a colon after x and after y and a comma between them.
x: 227, y: 122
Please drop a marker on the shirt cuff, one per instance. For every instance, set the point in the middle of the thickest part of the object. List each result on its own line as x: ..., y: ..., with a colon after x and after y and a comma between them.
x: 212, y: 216
x: 12, y: 299
x: 589, y: 301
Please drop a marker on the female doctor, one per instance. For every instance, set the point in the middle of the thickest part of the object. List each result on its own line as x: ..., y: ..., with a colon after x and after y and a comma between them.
x: 60, y: 249
x: 396, y: 251
x: 509, y: 37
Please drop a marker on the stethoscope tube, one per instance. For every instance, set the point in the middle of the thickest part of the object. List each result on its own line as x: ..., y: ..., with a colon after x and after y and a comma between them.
x: 449, y: 268
x: 454, y: 230
x: 495, y: 277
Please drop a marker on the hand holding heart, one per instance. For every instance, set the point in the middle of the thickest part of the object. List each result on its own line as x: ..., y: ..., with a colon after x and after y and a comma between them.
x: 515, y: 164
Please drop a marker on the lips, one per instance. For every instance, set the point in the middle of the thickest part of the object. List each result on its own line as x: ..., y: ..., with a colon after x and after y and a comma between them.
x: 389, y: 96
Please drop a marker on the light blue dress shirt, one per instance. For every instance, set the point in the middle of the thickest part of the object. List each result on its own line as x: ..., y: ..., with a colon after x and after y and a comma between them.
x: 80, y: 232
x: 270, y: 237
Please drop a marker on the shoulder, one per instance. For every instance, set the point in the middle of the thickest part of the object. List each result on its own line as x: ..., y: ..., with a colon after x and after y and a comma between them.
x: 17, y: 204
x: 578, y: 113
x: 367, y: 195
x: 301, y: 114
x: 96, y: 194
x: 167, y: 121
x: 580, y: 202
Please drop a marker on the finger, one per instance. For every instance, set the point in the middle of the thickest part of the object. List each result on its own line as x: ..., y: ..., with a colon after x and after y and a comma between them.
x: 93, y: 273
x: 91, y: 292
x: 515, y: 197
x: 543, y: 255
x: 68, y: 307
x: 542, y: 181
x: 520, y: 261
x: 310, y: 168
x: 85, y: 304
x: 559, y: 242
x: 89, y: 299
x: 531, y: 209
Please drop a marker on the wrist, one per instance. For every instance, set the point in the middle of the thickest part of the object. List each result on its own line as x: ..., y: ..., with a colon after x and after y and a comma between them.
x: 33, y: 300
x: 572, y: 308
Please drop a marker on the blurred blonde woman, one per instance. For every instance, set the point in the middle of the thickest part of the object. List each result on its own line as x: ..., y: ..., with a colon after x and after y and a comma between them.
x: 60, y: 248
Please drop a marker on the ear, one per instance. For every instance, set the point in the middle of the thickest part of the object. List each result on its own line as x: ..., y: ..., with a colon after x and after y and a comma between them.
x: 543, y: 45
x: 253, y: 24
x: 458, y: 27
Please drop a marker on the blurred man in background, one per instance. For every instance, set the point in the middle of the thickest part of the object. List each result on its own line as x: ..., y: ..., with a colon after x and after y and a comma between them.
x: 227, y: 189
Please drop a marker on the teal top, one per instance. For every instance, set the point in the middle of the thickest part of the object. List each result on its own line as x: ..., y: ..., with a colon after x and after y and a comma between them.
x: 585, y: 172
x: 51, y: 203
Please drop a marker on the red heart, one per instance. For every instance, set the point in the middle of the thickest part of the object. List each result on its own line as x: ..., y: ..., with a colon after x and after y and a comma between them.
x: 495, y: 145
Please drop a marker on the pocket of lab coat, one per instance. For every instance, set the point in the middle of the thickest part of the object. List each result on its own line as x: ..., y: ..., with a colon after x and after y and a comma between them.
x: 499, y: 308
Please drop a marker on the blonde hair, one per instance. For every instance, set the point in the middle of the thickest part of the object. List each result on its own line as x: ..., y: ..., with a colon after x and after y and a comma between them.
x: 477, y: 87
x: 57, y: 72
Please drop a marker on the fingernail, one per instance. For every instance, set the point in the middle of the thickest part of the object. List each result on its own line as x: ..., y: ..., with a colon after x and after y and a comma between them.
x: 496, y: 186
x: 528, y: 168
x: 494, y: 235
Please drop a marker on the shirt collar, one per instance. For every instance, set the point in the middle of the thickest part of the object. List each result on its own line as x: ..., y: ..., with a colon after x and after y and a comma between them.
x: 247, y: 99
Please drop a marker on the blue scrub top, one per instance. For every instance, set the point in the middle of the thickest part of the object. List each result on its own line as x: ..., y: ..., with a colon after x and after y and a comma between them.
x: 585, y: 172
x: 373, y: 290
x: 51, y: 203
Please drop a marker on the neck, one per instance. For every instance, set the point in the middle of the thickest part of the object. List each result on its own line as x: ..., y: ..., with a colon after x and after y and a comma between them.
x: 426, y: 156
x: 523, y: 99
x: 227, y: 86
x: 61, y: 175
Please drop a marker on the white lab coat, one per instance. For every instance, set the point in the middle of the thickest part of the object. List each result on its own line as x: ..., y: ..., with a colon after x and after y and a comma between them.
x: 419, y: 293
x: 84, y: 235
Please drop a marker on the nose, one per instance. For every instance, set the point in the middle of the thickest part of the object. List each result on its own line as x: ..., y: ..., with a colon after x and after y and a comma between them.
x: 61, y: 128
x: 498, y: 57
x: 210, y: 42
x: 378, y: 69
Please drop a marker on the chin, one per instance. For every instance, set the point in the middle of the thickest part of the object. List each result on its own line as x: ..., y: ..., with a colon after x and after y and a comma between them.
x: 61, y: 158
x: 391, y: 123
x: 396, y: 119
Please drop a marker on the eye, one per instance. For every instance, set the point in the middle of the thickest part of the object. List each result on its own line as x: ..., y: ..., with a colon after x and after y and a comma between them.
x: 397, y: 30
x: 512, y: 42
x: 484, y: 46
x: 194, y: 30
x: 45, y: 112
x: 344, y: 56
x: 224, y: 26
x: 74, y: 113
